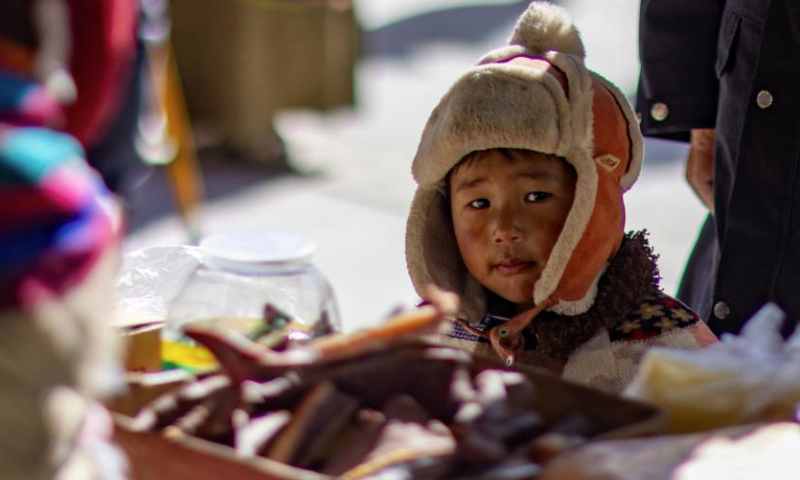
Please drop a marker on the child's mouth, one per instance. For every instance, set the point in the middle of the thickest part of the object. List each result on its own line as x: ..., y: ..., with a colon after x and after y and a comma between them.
x: 513, y: 266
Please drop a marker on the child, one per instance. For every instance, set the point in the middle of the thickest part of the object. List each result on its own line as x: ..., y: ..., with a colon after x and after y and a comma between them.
x: 521, y: 170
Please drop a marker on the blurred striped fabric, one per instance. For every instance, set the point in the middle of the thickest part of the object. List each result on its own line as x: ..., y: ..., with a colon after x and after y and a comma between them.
x: 56, y: 216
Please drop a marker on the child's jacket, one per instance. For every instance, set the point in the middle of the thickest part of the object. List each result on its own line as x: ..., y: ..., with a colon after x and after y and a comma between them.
x: 603, y: 346
x: 537, y: 94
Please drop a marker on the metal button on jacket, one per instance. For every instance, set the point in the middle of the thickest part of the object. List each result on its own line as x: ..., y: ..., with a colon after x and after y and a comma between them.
x: 721, y: 310
x: 764, y: 99
x: 659, y: 111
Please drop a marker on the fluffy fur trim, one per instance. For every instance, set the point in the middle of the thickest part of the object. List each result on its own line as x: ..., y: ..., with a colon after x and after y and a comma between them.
x: 586, y: 185
x: 432, y: 254
x: 475, y: 115
x: 629, y: 278
x: 544, y: 27
x: 573, y: 230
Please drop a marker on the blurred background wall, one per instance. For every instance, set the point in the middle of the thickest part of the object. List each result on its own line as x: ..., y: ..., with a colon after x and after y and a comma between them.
x: 243, y: 61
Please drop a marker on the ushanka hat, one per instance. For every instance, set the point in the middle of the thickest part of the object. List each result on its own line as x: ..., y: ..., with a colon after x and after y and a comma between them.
x: 535, y: 94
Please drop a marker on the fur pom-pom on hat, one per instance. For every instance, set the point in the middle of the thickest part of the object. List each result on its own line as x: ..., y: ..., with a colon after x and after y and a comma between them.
x: 544, y: 27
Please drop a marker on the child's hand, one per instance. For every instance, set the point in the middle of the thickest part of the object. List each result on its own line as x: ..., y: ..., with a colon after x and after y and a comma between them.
x: 700, y: 165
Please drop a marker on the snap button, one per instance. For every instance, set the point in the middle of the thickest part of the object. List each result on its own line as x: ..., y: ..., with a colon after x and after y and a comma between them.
x: 659, y: 111
x: 764, y: 99
x: 721, y: 310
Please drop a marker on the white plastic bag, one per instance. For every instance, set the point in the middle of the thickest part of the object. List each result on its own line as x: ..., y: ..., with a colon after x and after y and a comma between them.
x: 149, y: 279
x: 742, y: 379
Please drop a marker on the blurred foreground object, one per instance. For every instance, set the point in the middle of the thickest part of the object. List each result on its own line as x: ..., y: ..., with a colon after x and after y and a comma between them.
x: 243, y: 60
x: 86, y: 67
x: 103, y: 36
x: 81, y: 52
x: 36, y: 43
x: 384, y: 402
x: 259, y: 284
x: 59, y: 235
x: 749, y: 378
x: 753, y: 452
x: 252, y: 282
x: 25, y: 102
x: 766, y: 452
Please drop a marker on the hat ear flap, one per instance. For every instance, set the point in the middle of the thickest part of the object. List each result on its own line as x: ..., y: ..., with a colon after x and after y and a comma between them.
x: 618, y: 133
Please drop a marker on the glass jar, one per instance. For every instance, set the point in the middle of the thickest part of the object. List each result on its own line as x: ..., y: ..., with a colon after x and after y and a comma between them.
x: 248, y: 280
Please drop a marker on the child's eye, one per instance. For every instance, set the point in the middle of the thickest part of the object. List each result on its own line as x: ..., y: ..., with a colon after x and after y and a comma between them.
x: 536, y: 196
x: 479, y: 204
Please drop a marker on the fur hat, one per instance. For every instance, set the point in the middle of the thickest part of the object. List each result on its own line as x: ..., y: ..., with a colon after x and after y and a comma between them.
x: 536, y: 94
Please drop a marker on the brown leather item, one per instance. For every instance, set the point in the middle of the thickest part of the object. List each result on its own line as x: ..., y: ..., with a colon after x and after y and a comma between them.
x: 256, y: 436
x: 387, y: 406
x: 313, y: 426
x: 356, y: 440
x: 166, y: 409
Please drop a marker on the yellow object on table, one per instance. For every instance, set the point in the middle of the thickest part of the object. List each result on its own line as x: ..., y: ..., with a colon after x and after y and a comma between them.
x: 186, y: 355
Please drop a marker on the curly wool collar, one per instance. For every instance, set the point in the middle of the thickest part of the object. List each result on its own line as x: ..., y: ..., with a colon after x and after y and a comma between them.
x: 631, y: 276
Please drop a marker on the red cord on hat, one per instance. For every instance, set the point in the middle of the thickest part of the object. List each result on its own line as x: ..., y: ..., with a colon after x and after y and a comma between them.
x: 506, y: 339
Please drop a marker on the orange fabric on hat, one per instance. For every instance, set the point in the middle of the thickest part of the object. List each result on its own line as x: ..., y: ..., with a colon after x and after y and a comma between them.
x: 599, y: 243
x: 610, y: 129
x: 603, y: 234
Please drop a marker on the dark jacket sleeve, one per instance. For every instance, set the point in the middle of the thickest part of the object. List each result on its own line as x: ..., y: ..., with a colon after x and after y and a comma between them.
x: 678, y: 48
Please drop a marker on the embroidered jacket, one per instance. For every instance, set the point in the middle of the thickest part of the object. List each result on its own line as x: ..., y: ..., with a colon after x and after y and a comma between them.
x: 630, y: 315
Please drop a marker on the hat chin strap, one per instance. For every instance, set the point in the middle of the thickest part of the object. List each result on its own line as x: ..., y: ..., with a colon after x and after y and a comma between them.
x: 506, y: 339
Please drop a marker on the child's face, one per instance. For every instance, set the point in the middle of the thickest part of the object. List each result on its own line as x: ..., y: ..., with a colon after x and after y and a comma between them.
x: 507, y: 215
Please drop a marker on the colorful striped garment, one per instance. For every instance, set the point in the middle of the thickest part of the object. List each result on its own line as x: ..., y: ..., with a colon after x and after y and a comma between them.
x: 56, y: 215
x: 59, y: 255
x: 59, y: 252
x: 25, y: 102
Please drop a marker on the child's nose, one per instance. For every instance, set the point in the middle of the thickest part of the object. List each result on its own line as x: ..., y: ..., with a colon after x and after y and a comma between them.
x: 506, y: 229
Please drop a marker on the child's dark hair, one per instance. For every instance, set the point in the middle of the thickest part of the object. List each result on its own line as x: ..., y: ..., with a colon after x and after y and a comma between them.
x: 510, y: 154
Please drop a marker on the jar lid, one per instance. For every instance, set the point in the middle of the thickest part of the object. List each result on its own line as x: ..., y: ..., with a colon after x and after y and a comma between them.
x: 256, y: 251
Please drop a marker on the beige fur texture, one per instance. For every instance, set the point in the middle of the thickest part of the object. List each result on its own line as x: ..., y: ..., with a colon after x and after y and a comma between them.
x: 544, y: 27
x: 475, y: 115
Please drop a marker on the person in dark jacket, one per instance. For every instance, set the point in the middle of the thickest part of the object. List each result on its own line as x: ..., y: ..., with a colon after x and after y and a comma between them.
x: 723, y: 75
